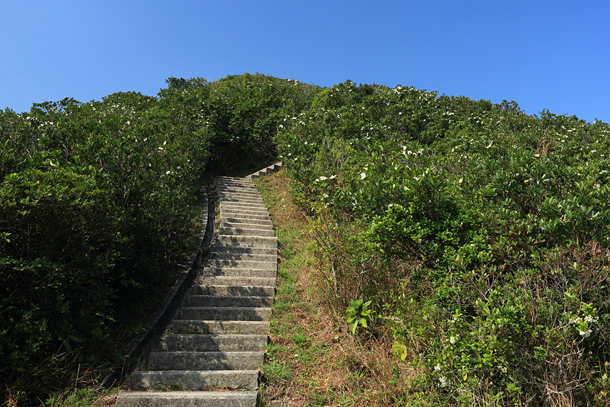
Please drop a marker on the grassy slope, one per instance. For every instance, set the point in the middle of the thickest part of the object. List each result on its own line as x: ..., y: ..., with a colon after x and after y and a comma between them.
x: 313, y: 359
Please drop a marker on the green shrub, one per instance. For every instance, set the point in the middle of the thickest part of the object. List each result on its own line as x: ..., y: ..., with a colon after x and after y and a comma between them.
x: 489, y: 234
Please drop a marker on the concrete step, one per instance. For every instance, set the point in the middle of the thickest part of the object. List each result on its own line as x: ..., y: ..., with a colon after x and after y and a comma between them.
x: 225, y: 313
x: 238, y: 192
x: 228, y: 178
x: 266, y: 171
x: 243, y: 205
x: 236, y: 281
x: 237, y: 197
x: 246, y: 241
x: 237, y: 272
x: 196, y: 380
x: 264, y: 223
x: 244, y: 213
x: 233, y: 180
x: 187, y: 326
x: 245, y: 231
x: 229, y: 301
x: 246, y: 217
x: 232, y: 291
x: 237, y: 256
x: 211, y: 343
x: 241, y: 200
x: 187, y: 399
x: 217, y: 263
x: 236, y: 186
x: 222, y: 249
x: 206, y: 360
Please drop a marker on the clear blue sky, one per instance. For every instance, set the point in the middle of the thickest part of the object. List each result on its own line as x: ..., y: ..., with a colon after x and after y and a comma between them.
x: 542, y: 54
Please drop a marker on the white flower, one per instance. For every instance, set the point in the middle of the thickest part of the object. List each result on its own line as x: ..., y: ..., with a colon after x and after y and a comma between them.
x: 590, y: 319
x: 503, y: 369
x: 323, y: 178
x: 444, y: 382
x: 452, y: 340
x: 333, y: 176
x: 437, y: 367
x: 585, y: 334
x: 363, y: 175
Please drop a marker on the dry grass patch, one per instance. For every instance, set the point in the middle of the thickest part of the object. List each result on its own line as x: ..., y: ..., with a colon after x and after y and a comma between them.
x: 313, y: 359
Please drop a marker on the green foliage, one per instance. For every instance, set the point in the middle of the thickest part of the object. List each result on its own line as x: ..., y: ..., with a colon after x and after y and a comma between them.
x: 480, y: 234
x: 97, y: 203
x: 359, y: 314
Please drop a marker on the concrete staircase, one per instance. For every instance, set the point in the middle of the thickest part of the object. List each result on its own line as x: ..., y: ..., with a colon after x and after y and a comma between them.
x: 265, y: 171
x: 212, y: 352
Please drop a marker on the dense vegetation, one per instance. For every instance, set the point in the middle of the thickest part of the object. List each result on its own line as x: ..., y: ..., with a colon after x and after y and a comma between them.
x: 477, y: 233
x: 97, y: 206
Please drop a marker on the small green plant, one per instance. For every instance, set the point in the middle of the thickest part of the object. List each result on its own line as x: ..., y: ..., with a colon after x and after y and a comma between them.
x: 359, y: 314
x: 276, y: 372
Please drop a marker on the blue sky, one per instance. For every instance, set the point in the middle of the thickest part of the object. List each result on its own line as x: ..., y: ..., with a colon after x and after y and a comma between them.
x: 551, y: 55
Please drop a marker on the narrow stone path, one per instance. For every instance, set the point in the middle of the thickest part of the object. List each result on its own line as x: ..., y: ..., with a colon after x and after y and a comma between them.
x: 212, y: 352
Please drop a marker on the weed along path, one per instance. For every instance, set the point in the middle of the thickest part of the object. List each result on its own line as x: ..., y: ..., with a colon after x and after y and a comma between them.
x: 213, y: 350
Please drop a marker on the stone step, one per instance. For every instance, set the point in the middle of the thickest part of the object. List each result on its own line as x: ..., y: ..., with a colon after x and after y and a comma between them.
x: 238, y: 272
x: 237, y: 196
x: 229, y: 301
x: 245, y: 231
x: 234, y: 197
x: 225, y: 313
x: 238, y: 192
x: 236, y: 186
x: 264, y: 223
x: 226, y: 212
x: 244, y: 213
x: 246, y: 217
x: 206, y: 360
x: 217, y: 263
x: 231, y: 179
x: 236, y: 281
x: 222, y: 179
x: 196, y: 380
x: 241, y: 200
x: 238, y: 256
x: 247, y: 241
x: 187, y: 326
x: 265, y: 171
x: 219, y: 248
x: 211, y: 343
x: 243, y: 205
x: 188, y: 399
x: 241, y: 193
x: 232, y: 291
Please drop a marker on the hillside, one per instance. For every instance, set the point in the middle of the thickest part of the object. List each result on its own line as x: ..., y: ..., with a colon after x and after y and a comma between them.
x: 471, y: 234
x: 98, y: 205
x: 476, y: 234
